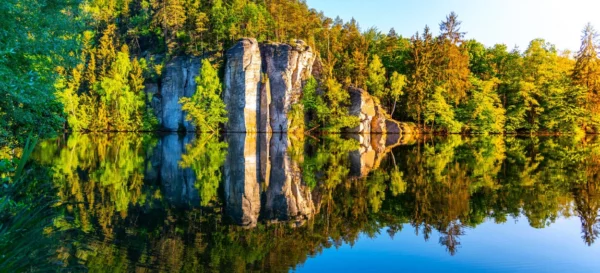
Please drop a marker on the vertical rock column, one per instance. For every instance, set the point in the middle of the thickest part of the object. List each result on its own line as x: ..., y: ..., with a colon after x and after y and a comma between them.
x: 286, y: 67
x: 242, y: 86
x: 179, y: 80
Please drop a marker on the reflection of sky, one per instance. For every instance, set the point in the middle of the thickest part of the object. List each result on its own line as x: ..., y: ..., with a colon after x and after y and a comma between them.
x: 510, y: 247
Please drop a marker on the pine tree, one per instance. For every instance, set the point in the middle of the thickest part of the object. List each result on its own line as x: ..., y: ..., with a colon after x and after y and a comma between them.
x: 587, y: 74
x: 420, y: 83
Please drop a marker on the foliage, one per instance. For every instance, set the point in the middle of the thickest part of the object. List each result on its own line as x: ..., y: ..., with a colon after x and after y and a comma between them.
x: 205, y: 109
x: 483, y: 113
x: 36, y: 37
x: 27, y: 240
x: 336, y: 116
x: 206, y: 155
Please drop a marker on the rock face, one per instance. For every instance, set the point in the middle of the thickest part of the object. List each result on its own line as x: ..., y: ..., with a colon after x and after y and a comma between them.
x: 263, y: 86
x: 286, y: 67
x: 362, y: 106
x: 179, y: 80
x: 373, y: 118
x: 262, y: 83
x: 242, y: 84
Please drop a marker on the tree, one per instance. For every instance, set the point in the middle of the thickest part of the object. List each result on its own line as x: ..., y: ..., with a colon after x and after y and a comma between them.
x: 397, y: 83
x: 338, y: 116
x: 453, y: 60
x: 421, y: 80
x: 437, y: 111
x: 376, y: 79
x: 587, y: 73
x: 36, y: 38
x: 483, y: 113
x: 171, y: 16
x: 205, y: 109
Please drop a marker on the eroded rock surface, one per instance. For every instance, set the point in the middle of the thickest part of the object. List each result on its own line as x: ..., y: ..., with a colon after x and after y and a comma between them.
x: 242, y: 87
x: 362, y: 106
x: 179, y: 80
x: 285, y: 67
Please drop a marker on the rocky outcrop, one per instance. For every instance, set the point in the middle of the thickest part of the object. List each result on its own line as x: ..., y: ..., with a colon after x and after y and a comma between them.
x: 373, y: 117
x: 263, y: 86
x: 263, y: 82
x: 362, y: 106
x: 179, y: 80
x: 285, y: 68
x: 242, y: 84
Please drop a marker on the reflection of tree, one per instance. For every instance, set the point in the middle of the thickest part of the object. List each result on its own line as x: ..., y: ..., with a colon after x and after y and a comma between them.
x: 440, y: 187
x: 206, y: 155
x: 99, y: 176
x: 587, y: 200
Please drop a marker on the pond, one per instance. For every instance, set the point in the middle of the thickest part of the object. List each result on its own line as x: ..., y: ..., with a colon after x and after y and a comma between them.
x: 350, y: 203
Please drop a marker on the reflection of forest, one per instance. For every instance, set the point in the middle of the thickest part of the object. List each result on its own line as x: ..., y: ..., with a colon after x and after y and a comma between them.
x: 267, y: 202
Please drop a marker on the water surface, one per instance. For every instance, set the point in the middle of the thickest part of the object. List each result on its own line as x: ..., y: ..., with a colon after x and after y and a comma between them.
x: 277, y: 203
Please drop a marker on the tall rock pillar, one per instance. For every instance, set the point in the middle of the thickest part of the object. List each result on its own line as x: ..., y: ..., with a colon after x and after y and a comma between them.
x: 242, y: 86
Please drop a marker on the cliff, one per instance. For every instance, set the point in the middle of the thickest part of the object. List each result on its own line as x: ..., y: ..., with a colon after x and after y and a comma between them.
x: 262, y: 87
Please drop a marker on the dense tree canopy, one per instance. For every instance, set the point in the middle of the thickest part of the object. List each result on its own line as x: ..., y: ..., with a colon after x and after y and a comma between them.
x: 104, y: 52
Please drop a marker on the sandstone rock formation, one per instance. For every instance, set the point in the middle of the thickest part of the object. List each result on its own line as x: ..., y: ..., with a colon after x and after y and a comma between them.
x: 373, y: 118
x: 179, y: 80
x: 263, y: 82
x: 285, y: 67
x: 262, y: 85
x: 242, y: 85
x: 362, y: 106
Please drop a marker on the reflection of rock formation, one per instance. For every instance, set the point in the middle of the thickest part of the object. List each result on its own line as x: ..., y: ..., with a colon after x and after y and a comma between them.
x: 177, y: 183
x: 287, y: 197
x: 372, y: 150
x: 250, y: 164
x: 242, y: 188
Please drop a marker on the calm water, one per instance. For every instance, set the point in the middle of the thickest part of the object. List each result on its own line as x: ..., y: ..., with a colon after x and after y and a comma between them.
x: 282, y: 203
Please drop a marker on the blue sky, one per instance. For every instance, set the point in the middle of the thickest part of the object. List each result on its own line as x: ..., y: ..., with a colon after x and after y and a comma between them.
x: 510, y: 22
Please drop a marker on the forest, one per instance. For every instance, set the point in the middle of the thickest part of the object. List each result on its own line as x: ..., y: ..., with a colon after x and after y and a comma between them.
x: 82, y: 65
x: 72, y: 66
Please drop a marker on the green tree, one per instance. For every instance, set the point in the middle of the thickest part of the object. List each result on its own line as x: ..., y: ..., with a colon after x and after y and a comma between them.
x: 420, y: 66
x: 36, y: 38
x: 483, y: 112
x: 337, y: 116
x: 397, y: 84
x: 376, y: 80
x: 205, y: 109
